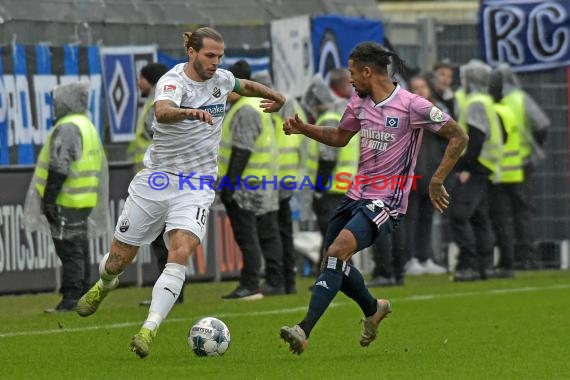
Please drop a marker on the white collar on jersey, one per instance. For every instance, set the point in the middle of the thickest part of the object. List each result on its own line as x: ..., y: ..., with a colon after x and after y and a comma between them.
x: 392, y: 95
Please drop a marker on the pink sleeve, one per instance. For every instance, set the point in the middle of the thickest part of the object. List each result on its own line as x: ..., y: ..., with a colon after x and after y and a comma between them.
x: 423, y: 114
x: 349, y: 120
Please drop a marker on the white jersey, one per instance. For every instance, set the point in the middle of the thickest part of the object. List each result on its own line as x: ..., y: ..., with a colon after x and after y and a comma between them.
x: 190, y: 146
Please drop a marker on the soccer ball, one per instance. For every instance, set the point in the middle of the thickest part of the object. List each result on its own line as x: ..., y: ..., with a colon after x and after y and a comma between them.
x: 209, y: 337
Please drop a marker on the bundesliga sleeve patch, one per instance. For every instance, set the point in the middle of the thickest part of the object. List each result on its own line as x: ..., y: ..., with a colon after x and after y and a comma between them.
x: 435, y: 114
x: 169, y: 89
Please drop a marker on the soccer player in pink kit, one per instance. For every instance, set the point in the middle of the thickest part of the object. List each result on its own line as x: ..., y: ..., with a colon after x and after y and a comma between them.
x: 391, y: 122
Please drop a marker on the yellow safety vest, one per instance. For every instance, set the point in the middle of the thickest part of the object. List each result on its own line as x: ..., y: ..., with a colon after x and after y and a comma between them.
x: 81, y: 186
x: 262, y: 162
x: 312, y: 158
x: 515, y: 101
x: 289, y: 159
x: 460, y: 98
x: 511, y: 166
x: 348, y: 156
x: 492, y: 150
x: 138, y: 147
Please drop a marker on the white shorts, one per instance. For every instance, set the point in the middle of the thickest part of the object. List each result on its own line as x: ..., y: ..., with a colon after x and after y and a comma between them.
x: 147, y: 210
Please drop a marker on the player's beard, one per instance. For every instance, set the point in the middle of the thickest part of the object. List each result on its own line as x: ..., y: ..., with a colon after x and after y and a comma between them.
x: 361, y: 93
x: 200, y: 70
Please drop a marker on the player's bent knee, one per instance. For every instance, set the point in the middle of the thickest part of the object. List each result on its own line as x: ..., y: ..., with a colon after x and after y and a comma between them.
x: 182, y: 245
x: 180, y: 255
x: 343, y: 247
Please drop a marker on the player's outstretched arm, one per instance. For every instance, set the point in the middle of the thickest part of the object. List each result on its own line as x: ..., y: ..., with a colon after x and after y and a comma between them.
x: 272, y: 100
x: 337, y: 137
x: 167, y: 112
x: 457, y: 141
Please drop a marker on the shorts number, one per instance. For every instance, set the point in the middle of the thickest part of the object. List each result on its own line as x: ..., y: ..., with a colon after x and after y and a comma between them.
x: 201, y: 216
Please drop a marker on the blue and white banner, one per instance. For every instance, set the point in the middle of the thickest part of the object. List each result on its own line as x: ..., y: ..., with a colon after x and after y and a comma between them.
x: 121, y: 67
x: 335, y: 36
x: 530, y: 35
x: 28, y: 75
x: 258, y: 58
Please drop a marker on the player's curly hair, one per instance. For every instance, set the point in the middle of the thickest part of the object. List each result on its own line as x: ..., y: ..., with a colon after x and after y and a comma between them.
x: 377, y: 57
x: 195, y: 39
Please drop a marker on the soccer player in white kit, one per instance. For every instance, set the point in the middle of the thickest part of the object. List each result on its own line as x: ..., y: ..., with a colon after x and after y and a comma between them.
x: 189, y: 109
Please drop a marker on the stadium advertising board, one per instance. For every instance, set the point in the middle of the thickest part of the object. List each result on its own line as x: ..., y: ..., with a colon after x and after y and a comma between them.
x: 530, y: 35
x: 28, y: 261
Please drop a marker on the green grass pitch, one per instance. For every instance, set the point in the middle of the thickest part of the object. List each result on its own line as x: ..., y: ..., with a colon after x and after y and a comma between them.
x: 496, y: 329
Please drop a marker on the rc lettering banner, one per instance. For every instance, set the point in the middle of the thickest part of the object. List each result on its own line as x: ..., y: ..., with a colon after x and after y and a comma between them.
x: 530, y: 35
x: 334, y: 37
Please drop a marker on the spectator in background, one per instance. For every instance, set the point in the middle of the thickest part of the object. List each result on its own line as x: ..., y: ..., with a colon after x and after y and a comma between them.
x: 149, y: 75
x: 505, y: 184
x: 419, y: 219
x: 249, y: 148
x: 441, y: 83
x: 70, y: 186
x: 240, y: 69
x: 339, y: 83
x: 290, y: 165
x: 469, y: 212
x: 533, y: 125
x: 389, y: 255
x: 461, y: 95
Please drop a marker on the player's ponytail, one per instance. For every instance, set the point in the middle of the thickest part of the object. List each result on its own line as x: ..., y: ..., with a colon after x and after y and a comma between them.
x: 187, y: 38
x: 398, y: 65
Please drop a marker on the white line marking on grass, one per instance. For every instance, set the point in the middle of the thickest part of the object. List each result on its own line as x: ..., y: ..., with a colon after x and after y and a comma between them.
x: 427, y: 297
x: 171, y: 320
x: 424, y: 297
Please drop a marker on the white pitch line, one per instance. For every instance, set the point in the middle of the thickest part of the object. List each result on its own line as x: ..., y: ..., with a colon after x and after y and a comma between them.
x: 425, y: 297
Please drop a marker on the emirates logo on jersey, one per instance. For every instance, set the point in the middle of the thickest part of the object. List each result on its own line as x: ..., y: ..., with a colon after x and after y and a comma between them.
x: 217, y: 93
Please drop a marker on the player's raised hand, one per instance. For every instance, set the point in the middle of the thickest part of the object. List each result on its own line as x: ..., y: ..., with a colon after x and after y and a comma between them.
x: 293, y: 126
x: 268, y: 105
x: 439, y: 196
x: 195, y: 114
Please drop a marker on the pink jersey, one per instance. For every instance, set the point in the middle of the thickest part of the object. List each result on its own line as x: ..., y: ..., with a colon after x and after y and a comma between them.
x: 390, y: 138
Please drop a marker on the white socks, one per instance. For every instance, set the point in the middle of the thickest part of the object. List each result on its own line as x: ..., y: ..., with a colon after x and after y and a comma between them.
x: 165, y: 293
x: 107, y: 281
